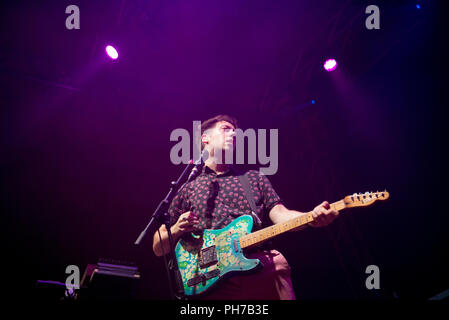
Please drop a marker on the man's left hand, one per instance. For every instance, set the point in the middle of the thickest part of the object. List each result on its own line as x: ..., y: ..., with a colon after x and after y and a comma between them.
x: 323, y: 215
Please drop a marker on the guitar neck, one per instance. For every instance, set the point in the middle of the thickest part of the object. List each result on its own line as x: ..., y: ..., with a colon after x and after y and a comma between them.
x: 256, y: 238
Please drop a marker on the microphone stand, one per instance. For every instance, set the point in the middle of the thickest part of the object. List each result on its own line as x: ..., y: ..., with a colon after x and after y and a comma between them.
x: 161, y: 216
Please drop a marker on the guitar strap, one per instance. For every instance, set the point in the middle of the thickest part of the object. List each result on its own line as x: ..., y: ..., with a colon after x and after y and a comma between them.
x: 244, y: 181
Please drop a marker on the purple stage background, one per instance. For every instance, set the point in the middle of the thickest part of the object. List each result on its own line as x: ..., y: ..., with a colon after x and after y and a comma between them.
x: 85, y: 140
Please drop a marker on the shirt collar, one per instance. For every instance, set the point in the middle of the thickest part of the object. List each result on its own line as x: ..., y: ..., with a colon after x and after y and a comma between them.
x: 230, y: 171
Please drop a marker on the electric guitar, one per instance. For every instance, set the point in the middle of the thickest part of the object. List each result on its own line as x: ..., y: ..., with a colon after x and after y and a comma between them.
x: 205, y: 260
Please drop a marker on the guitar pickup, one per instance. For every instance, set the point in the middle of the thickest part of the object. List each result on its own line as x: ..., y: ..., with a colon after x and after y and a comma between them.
x: 202, y: 278
x: 207, y: 257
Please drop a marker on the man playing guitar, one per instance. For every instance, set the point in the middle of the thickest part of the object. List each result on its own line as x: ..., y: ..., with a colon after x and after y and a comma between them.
x: 216, y: 198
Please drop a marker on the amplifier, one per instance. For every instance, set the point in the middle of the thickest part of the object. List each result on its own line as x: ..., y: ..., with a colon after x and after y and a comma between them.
x: 109, y: 279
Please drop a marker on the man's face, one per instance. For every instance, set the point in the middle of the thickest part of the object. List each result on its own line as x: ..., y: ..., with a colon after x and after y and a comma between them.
x: 220, y: 137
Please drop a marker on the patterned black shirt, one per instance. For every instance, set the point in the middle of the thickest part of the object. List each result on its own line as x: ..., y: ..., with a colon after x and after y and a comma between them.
x: 219, y: 199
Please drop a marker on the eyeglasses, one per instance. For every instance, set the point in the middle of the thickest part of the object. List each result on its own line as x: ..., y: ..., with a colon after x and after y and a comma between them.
x: 225, y: 129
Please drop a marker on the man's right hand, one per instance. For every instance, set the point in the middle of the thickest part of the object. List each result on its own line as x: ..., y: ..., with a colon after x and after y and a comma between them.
x: 186, y: 223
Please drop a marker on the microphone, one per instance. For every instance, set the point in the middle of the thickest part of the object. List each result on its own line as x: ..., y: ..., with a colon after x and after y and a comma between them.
x: 198, y: 165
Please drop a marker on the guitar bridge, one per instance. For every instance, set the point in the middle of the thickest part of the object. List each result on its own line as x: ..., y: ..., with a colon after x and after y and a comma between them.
x: 207, y: 257
x: 202, y: 278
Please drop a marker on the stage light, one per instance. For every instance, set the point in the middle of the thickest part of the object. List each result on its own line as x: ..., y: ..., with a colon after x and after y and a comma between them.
x: 418, y: 6
x: 112, y: 53
x: 330, y: 65
x: 313, y: 101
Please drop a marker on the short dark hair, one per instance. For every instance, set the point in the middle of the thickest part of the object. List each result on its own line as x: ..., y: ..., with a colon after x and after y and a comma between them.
x: 210, y: 123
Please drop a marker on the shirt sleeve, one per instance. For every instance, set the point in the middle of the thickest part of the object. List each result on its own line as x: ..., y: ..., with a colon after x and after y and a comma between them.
x: 269, y: 196
x: 178, y: 206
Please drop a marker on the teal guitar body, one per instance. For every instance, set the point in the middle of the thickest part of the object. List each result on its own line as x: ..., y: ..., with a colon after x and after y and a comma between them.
x: 206, y: 260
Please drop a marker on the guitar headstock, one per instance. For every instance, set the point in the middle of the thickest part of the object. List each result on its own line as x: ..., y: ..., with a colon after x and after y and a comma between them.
x: 365, y: 199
